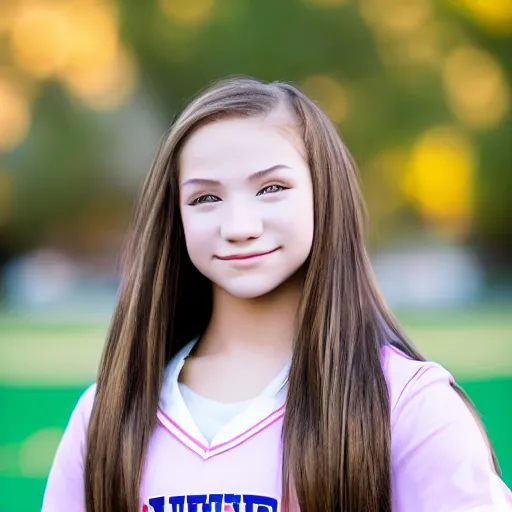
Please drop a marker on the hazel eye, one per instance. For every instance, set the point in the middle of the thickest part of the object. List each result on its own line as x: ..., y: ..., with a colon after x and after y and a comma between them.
x: 271, y: 189
x: 208, y: 198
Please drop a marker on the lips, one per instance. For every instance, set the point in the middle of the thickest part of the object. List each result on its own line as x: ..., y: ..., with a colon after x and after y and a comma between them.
x: 246, y: 256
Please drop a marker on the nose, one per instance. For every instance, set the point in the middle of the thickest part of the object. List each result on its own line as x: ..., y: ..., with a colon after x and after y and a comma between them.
x: 242, y: 222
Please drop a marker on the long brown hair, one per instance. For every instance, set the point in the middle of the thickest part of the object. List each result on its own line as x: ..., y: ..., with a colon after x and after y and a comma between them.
x: 336, y: 434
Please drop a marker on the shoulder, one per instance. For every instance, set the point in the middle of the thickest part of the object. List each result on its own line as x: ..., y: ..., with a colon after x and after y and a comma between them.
x: 86, y: 400
x: 406, y: 376
x: 65, y: 484
x: 440, y: 456
x: 76, y: 430
x: 85, y: 403
x: 79, y: 420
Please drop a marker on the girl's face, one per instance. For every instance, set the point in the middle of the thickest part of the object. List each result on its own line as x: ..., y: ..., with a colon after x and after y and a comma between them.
x: 246, y: 202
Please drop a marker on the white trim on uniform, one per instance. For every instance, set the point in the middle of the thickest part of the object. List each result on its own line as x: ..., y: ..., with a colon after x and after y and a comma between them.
x: 173, y: 414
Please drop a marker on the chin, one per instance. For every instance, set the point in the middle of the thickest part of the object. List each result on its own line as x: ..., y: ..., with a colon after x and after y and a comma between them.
x: 254, y: 287
x: 250, y: 290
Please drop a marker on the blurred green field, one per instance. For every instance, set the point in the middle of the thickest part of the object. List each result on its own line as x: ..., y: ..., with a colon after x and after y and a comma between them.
x: 45, y: 365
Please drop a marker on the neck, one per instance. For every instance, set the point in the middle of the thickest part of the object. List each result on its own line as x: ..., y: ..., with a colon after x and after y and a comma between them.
x: 263, y: 325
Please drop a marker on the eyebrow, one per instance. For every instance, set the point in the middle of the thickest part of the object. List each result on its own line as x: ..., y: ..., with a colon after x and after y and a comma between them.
x: 253, y: 177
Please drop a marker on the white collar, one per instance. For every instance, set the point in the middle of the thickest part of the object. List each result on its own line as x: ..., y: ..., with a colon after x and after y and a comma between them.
x: 174, y: 415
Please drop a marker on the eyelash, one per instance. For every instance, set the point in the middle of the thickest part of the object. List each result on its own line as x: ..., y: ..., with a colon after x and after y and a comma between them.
x: 202, y: 199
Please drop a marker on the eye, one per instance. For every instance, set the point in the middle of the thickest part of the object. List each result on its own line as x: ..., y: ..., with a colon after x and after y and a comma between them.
x: 271, y: 189
x: 208, y: 198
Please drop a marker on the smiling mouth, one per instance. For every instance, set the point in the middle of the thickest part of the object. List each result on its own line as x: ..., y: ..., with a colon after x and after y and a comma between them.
x: 246, y: 256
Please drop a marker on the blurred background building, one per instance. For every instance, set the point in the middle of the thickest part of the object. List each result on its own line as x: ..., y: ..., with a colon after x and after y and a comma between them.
x: 420, y: 91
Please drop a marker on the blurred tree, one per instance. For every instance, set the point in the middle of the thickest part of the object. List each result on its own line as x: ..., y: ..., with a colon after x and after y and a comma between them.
x: 388, y: 72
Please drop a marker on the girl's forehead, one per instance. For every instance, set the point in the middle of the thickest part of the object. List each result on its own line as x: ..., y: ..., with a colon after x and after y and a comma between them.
x: 243, y: 140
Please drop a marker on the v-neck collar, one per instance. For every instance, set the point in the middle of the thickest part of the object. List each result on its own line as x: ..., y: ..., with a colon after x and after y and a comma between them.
x: 173, y: 414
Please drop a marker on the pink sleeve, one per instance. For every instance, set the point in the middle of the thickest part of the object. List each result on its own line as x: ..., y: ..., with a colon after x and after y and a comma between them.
x: 440, y: 460
x: 65, y: 485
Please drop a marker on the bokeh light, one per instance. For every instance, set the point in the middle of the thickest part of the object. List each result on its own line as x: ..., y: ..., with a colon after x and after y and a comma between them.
x: 395, y: 17
x: 476, y: 87
x: 94, y: 38
x: 77, y: 43
x: 8, y: 13
x: 37, y: 451
x: 104, y: 88
x: 190, y: 12
x: 407, y: 33
x: 330, y: 94
x: 14, y: 115
x: 424, y: 47
x: 493, y: 15
x: 40, y: 40
x: 439, y: 177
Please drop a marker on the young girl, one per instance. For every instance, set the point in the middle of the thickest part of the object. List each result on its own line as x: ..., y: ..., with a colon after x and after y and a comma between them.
x: 251, y: 364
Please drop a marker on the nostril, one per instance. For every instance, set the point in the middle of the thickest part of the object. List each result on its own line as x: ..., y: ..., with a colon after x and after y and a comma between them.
x: 241, y: 228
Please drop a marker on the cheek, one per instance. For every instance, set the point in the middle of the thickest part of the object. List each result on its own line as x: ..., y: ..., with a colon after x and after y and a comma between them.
x: 297, y: 216
x: 198, y: 235
x: 196, y: 225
